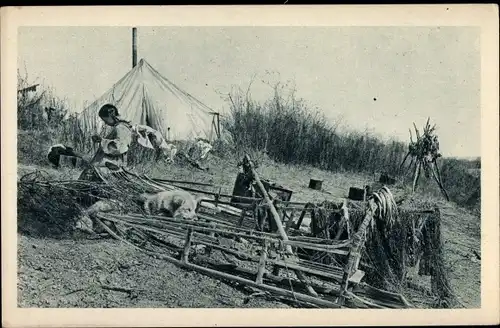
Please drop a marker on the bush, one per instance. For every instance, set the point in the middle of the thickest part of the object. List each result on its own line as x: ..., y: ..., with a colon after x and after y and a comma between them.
x: 463, y: 187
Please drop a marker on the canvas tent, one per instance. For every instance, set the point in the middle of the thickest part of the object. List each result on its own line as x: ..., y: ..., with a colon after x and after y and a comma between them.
x: 143, y: 96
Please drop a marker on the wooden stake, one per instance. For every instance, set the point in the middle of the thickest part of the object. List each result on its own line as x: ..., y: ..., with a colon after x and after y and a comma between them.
x: 277, y: 220
x: 187, y: 245
x: 304, y: 211
x: 289, y: 223
x: 404, y: 160
x: 242, y: 217
x: 416, y: 176
x: 437, y: 178
x: 262, y: 263
x: 355, y: 253
x: 416, y: 131
x: 344, y: 222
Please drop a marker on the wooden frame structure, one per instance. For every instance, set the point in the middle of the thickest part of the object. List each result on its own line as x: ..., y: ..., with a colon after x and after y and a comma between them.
x: 277, y: 261
x: 277, y: 266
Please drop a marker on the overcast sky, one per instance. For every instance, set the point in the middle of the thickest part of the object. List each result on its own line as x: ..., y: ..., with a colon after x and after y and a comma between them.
x: 381, y: 79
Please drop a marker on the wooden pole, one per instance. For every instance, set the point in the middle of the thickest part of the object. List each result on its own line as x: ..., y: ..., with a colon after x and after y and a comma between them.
x: 208, y: 227
x: 344, y: 223
x: 242, y: 218
x: 220, y: 275
x: 265, y: 195
x: 404, y: 160
x: 248, y: 163
x: 437, y: 176
x: 262, y: 263
x: 289, y: 223
x: 187, y: 245
x: 134, y: 47
x: 355, y: 253
x: 276, y: 279
x: 186, y: 182
x: 218, y: 126
x: 417, y: 175
x: 302, y: 215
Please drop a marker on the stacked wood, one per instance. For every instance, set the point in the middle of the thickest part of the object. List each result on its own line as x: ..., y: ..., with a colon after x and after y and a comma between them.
x: 193, y: 233
x: 424, y: 153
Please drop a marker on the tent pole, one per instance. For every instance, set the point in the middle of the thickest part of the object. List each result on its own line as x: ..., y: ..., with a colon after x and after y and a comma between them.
x: 218, y: 126
x: 134, y: 47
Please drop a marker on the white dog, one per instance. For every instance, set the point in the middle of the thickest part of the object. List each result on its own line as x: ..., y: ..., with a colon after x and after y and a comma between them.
x: 176, y: 203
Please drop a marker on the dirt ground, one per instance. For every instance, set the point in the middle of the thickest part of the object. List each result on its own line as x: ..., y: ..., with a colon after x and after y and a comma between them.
x: 71, y: 272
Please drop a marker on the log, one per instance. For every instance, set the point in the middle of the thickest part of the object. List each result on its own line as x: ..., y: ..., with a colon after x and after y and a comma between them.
x: 219, y: 275
x: 242, y: 218
x: 365, y: 302
x: 149, y: 235
x: 437, y: 178
x: 404, y: 159
x: 212, y: 219
x: 298, y: 268
x: 274, y: 213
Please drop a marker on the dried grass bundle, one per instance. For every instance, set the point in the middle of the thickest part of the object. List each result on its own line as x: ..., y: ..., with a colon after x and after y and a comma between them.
x: 50, y: 208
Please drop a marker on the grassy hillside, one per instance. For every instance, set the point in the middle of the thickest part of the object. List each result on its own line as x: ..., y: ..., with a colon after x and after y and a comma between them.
x: 289, y: 132
x: 284, y: 128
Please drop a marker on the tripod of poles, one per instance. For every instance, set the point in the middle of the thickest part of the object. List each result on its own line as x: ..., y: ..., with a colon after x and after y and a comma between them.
x: 424, y: 153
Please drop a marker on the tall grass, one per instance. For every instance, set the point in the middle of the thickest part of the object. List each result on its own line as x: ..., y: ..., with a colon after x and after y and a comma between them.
x: 289, y: 132
x: 39, y: 128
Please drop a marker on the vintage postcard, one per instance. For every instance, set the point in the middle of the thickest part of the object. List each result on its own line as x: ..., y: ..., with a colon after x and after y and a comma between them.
x: 247, y: 165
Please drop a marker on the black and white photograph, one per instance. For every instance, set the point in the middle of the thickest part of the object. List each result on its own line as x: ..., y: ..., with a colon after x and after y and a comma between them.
x: 249, y: 167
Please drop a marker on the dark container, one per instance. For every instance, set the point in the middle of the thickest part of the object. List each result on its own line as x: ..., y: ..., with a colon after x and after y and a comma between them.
x: 242, y: 188
x: 315, y: 184
x: 356, y: 193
